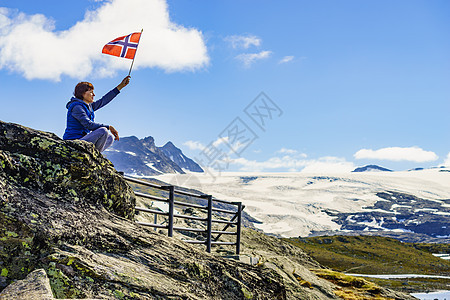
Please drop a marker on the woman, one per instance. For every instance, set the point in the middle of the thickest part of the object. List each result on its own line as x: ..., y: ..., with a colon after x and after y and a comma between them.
x: 80, y: 116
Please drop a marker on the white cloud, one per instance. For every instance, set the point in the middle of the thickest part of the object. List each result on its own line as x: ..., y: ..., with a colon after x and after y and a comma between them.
x: 241, y: 41
x: 286, y: 59
x: 220, y: 141
x: 31, y: 45
x: 414, y: 154
x: 4, y: 20
x: 295, y: 164
x: 285, y: 162
x: 194, y: 145
x: 249, y: 58
x: 447, y: 161
x: 329, y: 165
x: 287, y: 151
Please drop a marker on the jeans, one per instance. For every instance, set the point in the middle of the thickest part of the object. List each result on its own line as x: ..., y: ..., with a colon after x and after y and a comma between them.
x: 100, y: 137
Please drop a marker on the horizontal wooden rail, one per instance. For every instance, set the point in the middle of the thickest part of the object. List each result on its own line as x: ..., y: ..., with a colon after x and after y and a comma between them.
x: 191, y: 218
x: 189, y: 194
x: 189, y: 229
x: 153, y: 225
x: 151, y: 197
x: 223, y: 243
x: 190, y: 205
x: 131, y: 179
x: 224, y: 222
x: 223, y: 211
x: 223, y: 232
x: 225, y: 201
x: 152, y: 211
x: 170, y: 214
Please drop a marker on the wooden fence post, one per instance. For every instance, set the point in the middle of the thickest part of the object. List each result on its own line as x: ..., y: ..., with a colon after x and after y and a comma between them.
x: 209, y: 224
x: 171, y: 209
x: 238, y: 229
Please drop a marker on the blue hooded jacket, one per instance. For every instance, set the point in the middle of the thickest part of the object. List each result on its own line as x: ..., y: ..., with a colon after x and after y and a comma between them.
x: 80, y: 116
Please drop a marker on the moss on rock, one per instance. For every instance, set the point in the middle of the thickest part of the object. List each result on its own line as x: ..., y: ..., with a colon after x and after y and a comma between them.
x: 61, y: 285
x: 16, y: 259
x: 73, y: 170
x: 65, y: 209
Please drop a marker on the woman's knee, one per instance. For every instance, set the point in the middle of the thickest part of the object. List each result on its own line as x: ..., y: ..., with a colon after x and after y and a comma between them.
x: 110, y: 137
x: 102, y: 131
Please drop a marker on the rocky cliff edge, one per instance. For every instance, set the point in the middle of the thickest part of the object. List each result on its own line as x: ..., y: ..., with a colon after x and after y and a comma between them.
x: 66, y: 224
x: 65, y: 209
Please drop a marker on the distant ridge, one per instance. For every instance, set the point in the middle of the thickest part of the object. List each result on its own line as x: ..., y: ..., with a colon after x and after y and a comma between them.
x: 417, y: 169
x: 177, y: 156
x: 371, y: 168
x: 141, y: 157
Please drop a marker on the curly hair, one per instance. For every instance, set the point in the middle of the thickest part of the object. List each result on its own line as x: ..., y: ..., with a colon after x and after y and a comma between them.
x: 82, y: 88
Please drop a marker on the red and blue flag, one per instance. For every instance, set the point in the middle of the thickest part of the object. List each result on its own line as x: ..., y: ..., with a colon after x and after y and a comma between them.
x: 124, y: 46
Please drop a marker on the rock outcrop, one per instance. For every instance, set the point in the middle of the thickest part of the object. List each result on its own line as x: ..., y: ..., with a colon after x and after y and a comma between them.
x: 65, y: 209
x: 35, y: 286
x: 67, y: 215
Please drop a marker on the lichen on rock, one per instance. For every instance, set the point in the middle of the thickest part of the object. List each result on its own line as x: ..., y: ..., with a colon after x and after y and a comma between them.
x: 66, y: 210
x: 69, y: 169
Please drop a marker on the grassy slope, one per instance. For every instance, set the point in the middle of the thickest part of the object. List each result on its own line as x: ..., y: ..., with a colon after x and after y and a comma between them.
x: 371, y: 255
x: 379, y: 255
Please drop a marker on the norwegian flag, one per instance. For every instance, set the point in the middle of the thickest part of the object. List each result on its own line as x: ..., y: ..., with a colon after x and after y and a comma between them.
x: 124, y: 46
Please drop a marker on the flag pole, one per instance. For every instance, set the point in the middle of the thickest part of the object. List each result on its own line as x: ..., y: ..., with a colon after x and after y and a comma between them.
x: 135, y: 52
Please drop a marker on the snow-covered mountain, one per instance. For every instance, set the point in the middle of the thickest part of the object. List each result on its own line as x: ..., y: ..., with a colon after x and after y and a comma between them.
x: 371, y: 168
x: 177, y: 156
x: 141, y: 157
x: 411, y: 206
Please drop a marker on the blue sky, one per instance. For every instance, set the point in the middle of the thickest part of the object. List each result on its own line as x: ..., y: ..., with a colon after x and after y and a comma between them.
x: 345, y: 83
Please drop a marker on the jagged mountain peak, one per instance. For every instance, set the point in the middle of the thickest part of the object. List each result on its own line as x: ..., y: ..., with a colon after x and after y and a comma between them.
x: 176, y: 155
x: 142, y: 157
x: 131, y: 138
x: 170, y: 147
x: 149, y: 139
x: 169, y: 144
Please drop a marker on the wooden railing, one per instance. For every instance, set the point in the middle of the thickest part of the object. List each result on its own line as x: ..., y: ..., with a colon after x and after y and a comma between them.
x: 211, y: 240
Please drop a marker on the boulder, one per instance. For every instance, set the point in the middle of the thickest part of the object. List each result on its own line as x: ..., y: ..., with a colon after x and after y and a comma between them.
x: 35, y: 286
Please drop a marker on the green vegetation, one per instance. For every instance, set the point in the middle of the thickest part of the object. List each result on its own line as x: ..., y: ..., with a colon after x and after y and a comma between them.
x: 412, y: 285
x: 371, y: 255
x: 380, y: 255
x: 351, y: 288
x: 432, y: 248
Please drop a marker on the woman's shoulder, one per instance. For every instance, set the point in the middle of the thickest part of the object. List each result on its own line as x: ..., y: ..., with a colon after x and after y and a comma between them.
x: 75, y: 102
